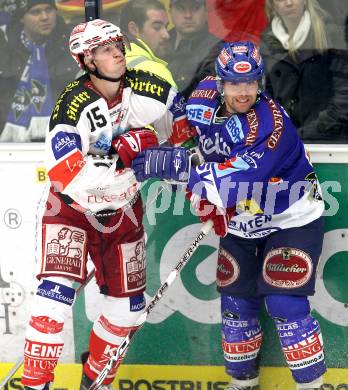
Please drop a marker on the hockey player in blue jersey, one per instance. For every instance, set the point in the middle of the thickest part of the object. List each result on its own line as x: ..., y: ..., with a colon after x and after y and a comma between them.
x: 256, y: 171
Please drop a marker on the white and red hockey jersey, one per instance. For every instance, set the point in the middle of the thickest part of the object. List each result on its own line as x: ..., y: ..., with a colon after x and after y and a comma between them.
x: 81, y: 162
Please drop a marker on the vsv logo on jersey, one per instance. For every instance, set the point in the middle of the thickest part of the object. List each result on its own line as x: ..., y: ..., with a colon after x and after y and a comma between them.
x: 63, y: 143
x: 178, y: 106
x: 199, y: 113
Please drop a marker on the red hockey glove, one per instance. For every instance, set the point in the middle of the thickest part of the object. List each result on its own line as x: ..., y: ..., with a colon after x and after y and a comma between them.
x: 129, y: 144
x: 206, y: 210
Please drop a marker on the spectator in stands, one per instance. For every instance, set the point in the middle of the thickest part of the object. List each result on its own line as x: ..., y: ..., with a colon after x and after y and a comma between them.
x: 7, y: 7
x: 145, y: 23
x: 35, y: 65
x: 307, y: 68
x: 193, y: 49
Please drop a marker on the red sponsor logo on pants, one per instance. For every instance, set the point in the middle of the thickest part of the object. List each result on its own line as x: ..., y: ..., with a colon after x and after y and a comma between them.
x: 244, y: 346
x: 304, y: 349
x: 287, y: 268
x: 40, y: 360
x: 227, y: 268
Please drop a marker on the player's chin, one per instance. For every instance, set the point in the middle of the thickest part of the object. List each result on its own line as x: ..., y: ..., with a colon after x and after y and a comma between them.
x: 122, y: 67
x: 243, y: 105
x: 121, y: 70
x: 243, y: 108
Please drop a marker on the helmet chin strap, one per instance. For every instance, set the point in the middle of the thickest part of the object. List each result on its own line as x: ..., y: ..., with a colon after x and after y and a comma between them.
x: 102, y: 77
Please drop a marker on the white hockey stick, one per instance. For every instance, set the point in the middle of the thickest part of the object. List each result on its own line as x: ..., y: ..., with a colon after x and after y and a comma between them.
x: 121, y: 351
x: 89, y: 277
x: 20, y: 361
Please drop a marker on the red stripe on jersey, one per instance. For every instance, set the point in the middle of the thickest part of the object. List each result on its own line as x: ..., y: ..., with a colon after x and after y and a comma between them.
x: 63, y: 173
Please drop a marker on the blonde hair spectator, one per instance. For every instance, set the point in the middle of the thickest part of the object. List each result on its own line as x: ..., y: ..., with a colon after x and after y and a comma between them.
x: 316, y: 16
x: 307, y: 67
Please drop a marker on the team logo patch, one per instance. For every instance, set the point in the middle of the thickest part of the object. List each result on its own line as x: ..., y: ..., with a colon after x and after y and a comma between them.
x: 242, y: 67
x: 227, y: 269
x: 63, y: 143
x: 178, y: 106
x: 134, y: 274
x: 287, y: 268
x: 64, y: 251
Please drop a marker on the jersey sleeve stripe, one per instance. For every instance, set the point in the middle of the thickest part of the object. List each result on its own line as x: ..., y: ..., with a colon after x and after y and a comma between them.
x: 66, y: 170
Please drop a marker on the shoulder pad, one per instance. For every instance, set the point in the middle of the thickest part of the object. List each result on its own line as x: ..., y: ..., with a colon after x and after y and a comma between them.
x: 147, y: 84
x: 71, y: 102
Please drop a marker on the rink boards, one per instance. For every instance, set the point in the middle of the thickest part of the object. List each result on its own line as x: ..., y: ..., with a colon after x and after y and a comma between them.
x: 184, y: 328
x: 154, y: 377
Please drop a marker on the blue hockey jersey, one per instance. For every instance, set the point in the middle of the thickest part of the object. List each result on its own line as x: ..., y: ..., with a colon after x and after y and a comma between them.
x: 255, y: 162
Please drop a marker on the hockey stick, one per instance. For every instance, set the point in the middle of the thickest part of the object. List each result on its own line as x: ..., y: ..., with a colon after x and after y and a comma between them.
x: 92, y: 9
x: 89, y: 277
x: 121, y: 351
x: 20, y: 361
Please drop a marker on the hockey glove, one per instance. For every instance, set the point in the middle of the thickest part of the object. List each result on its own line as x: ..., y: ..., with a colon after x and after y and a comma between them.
x: 206, y: 210
x: 166, y: 163
x: 129, y: 144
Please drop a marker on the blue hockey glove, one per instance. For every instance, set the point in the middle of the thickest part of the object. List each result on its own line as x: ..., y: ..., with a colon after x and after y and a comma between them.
x: 166, y: 163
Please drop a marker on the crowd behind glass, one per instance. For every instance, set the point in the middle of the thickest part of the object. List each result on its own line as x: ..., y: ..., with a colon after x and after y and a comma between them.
x: 303, y: 42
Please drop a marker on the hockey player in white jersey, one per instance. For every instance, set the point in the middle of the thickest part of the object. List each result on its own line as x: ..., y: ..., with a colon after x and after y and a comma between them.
x: 97, y: 127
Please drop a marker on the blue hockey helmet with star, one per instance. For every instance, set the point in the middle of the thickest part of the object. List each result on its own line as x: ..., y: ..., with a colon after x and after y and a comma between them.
x: 239, y: 62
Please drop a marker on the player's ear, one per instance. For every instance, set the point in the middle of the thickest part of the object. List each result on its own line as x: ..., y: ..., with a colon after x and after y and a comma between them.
x: 88, y: 60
